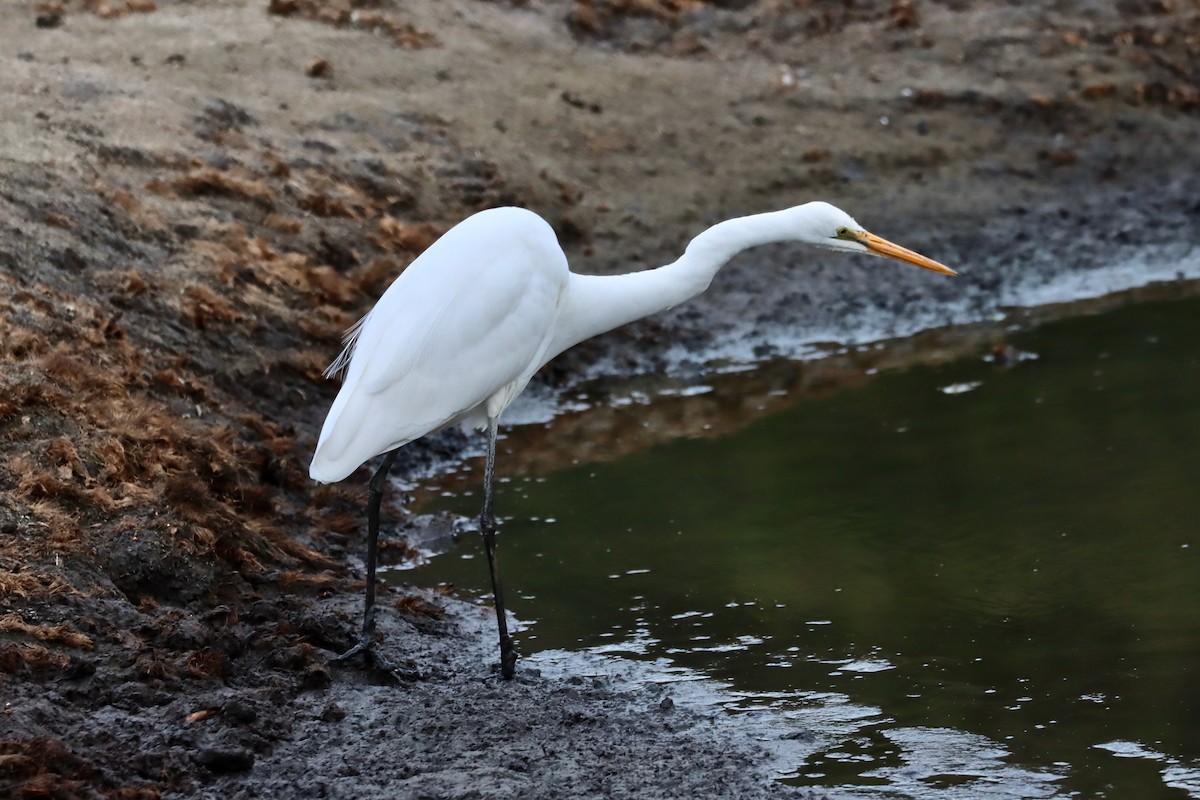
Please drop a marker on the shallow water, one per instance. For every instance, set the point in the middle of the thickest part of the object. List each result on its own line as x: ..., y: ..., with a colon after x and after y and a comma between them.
x: 971, y: 579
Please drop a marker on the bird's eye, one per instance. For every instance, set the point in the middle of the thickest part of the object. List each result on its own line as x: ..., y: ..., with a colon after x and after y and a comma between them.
x: 843, y: 233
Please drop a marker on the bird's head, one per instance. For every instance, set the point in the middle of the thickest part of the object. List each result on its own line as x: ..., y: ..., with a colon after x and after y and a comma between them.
x: 823, y: 225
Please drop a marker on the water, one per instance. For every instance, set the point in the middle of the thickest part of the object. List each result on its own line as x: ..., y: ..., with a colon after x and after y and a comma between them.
x: 994, y: 570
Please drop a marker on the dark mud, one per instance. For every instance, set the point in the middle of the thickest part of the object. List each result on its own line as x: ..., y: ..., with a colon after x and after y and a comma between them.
x: 197, y: 198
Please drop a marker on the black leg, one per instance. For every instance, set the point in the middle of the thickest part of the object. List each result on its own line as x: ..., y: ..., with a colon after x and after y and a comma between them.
x: 487, y: 526
x: 366, y: 642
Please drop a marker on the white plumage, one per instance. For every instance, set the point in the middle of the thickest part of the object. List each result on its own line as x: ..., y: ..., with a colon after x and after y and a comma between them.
x: 455, y: 336
x: 461, y: 331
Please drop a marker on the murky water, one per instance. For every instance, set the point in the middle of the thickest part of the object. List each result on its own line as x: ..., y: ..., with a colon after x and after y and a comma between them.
x: 984, y: 578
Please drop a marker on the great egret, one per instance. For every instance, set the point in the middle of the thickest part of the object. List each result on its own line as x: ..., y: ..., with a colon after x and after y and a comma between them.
x: 460, y: 332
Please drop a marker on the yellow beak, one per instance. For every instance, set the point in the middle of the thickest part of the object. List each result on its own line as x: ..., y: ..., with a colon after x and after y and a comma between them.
x: 882, y: 247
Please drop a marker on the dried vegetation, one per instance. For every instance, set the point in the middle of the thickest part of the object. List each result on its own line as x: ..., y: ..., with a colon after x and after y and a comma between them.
x: 362, y: 14
x: 164, y: 324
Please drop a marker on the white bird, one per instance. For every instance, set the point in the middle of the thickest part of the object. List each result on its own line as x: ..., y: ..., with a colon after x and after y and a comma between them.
x: 459, y: 334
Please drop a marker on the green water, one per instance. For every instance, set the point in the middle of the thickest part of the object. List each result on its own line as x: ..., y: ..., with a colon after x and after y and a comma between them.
x: 1007, y: 553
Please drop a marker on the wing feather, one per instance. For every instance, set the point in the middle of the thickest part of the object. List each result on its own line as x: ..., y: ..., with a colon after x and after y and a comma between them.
x: 470, y: 317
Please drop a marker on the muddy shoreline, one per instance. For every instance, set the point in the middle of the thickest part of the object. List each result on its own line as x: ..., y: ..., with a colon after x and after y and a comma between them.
x: 198, y: 197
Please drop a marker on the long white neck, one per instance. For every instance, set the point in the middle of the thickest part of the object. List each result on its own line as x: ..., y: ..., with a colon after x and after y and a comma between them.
x: 598, y: 303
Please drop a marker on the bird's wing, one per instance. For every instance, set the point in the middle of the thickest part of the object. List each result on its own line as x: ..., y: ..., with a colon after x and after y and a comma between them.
x: 460, y: 324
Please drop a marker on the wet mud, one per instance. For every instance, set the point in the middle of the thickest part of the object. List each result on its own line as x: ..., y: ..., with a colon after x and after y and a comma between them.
x: 196, y: 199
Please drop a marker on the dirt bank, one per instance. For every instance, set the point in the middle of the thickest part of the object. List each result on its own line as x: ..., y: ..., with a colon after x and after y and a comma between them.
x: 196, y: 198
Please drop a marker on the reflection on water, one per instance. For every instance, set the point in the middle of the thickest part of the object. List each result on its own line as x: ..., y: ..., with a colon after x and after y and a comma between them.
x: 991, y: 569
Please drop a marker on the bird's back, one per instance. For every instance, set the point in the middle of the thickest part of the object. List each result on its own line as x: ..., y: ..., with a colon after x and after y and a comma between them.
x: 467, y: 321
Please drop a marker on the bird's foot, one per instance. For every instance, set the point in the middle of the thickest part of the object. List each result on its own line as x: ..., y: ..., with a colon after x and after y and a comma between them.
x: 366, y: 646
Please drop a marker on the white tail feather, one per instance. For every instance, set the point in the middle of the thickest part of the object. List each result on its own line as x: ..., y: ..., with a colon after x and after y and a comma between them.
x: 349, y: 340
